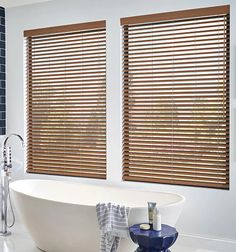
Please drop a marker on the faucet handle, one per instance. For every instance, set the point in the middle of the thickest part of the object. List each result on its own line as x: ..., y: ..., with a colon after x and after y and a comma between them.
x: 8, y: 155
x: 4, y: 152
x: 5, y: 157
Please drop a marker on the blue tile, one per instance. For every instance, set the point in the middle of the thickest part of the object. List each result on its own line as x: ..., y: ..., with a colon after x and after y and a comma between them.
x: 2, y: 12
x: 2, y: 123
x: 3, y: 36
x: 3, y: 52
x: 2, y: 107
x: 2, y: 115
x: 2, y: 76
x: 2, y: 28
x: 2, y: 21
x: 2, y: 91
x: 2, y: 84
x: 2, y: 99
x: 3, y: 130
x: 2, y: 44
x: 3, y: 68
x: 2, y: 60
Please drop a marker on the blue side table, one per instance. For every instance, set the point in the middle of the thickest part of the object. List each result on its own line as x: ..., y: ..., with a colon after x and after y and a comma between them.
x: 153, y: 241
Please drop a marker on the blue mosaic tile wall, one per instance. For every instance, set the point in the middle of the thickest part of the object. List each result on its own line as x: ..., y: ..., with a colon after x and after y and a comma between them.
x: 2, y: 73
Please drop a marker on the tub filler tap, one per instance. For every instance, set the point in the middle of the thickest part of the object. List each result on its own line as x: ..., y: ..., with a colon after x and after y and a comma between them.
x: 5, y: 178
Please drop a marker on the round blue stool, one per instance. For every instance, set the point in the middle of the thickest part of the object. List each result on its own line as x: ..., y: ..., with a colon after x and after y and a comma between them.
x: 153, y: 241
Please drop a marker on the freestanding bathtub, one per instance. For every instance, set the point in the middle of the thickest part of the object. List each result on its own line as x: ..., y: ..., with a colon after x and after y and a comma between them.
x: 61, y: 217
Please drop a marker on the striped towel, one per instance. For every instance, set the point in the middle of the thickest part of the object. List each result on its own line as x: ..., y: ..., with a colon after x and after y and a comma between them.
x: 113, y: 223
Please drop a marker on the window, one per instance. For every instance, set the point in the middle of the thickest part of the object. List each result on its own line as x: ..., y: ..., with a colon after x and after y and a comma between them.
x: 66, y: 69
x: 176, y: 98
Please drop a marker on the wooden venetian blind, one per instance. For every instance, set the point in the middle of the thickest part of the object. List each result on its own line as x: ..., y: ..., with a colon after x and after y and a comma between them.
x: 176, y: 98
x: 66, y: 68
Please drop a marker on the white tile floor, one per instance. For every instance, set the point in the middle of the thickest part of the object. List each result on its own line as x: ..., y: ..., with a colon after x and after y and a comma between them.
x: 20, y: 241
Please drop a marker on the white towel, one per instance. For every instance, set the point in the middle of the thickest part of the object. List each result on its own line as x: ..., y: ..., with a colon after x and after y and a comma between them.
x: 113, y: 223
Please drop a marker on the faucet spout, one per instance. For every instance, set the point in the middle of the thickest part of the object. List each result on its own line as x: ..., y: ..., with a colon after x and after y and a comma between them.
x: 6, y: 151
x: 9, y: 136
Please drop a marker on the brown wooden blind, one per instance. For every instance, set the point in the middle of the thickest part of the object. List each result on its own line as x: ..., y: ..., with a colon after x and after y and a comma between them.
x: 66, y: 68
x: 176, y: 98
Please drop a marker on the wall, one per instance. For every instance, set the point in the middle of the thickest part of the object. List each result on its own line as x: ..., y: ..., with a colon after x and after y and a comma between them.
x: 208, y: 212
x: 2, y: 72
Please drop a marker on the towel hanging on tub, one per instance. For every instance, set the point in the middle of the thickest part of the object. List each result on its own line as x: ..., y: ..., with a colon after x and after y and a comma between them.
x: 113, y: 223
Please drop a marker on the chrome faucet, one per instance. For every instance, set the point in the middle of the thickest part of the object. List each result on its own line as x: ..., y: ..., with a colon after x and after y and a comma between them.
x: 5, y: 178
x: 7, y: 151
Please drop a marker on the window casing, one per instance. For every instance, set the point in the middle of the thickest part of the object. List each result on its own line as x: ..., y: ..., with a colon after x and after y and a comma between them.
x: 176, y: 98
x: 66, y: 89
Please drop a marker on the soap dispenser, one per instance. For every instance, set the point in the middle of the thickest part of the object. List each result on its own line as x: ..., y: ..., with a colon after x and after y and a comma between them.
x: 156, y: 220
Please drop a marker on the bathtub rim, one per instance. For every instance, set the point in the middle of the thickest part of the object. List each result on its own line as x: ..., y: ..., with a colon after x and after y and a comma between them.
x: 11, y: 186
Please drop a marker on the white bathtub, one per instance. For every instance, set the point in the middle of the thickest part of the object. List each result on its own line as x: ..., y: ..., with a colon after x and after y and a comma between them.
x: 61, y: 217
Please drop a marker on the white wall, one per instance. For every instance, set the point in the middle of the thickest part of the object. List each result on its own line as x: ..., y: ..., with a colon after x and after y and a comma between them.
x: 208, y: 212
